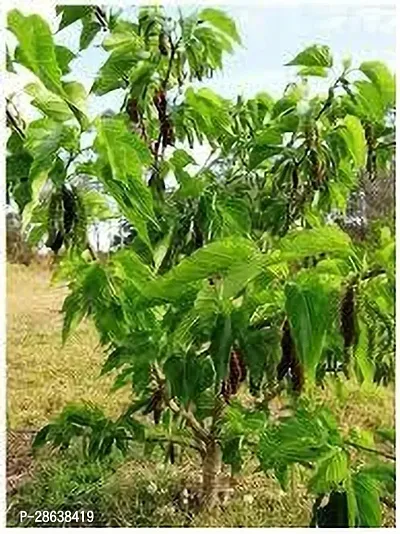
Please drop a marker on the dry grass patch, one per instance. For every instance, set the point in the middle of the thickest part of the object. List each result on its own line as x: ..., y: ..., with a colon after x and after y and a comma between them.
x: 42, y: 376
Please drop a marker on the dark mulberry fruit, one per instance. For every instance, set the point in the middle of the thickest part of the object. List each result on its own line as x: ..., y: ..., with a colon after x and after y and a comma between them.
x: 347, y: 313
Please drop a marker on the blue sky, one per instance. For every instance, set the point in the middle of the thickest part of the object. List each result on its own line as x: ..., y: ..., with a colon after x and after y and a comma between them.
x: 271, y: 35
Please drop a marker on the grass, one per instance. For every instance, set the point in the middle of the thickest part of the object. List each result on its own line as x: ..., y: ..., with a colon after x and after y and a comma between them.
x: 43, y: 376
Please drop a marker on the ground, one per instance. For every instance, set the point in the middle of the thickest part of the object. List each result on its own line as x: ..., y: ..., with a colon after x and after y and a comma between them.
x: 43, y: 375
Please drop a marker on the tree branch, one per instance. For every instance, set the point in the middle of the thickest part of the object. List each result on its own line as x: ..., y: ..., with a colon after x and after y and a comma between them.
x: 368, y: 449
x: 188, y: 416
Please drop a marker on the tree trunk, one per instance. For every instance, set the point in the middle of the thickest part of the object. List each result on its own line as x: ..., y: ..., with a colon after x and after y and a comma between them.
x: 211, y: 472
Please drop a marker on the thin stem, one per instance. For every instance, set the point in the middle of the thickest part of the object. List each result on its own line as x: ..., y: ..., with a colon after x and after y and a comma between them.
x: 166, y: 439
x: 14, y: 125
x: 188, y: 416
x: 368, y: 449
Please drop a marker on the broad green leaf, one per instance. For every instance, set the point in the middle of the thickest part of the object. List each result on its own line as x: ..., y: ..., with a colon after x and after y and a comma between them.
x: 38, y: 178
x: 262, y: 352
x: 321, y: 72
x: 267, y: 144
x: 113, y: 74
x: 216, y: 259
x: 90, y: 26
x: 140, y: 76
x: 307, y: 306
x: 313, y: 56
x: 369, y: 102
x: 331, y: 473
x: 89, y: 32
x: 209, y: 112
x: 351, y: 502
x: 189, y: 376
x: 189, y: 186
x: 37, y: 52
x: 127, y: 265
x: 77, y: 97
x: 45, y: 136
x: 362, y: 358
x: 366, y: 491
x: 18, y: 164
x: 221, y: 22
x: 306, y: 436
x: 384, y: 473
x: 221, y: 343
x: 180, y: 159
x: 126, y: 154
x: 353, y: 134
x: 301, y: 243
x: 71, y: 14
x: 161, y: 250
x: 36, y: 48
x: 124, y: 39
x: 379, y: 74
x: 48, y: 102
x: 64, y: 57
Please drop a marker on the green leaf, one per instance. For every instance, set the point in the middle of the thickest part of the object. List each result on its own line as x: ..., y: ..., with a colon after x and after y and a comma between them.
x: 124, y: 38
x: 362, y: 358
x: 366, y: 491
x: 71, y: 14
x: 313, y: 56
x: 180, y: 159
x: 89, y: 32
x: 126, y: 155
x: 113, y: 74
x: 301, y: 243
x: 369, y: 102
x: 37, y: 52
x: 267, y: 144
x: 307, y: 436
x: 321, y: 72
x: 217, y: 258
x: 45, y: 136
x: 307, y: 307
x: 384, y: 473
x: 221, y: 22
x: 221, y: 344
x: 48, y: 102
x: 262, y: 352
x: 64, y: 57
x: 189, y: 376
x: 379, y: 74
x: 140, y: 76
x: 331, y: 473
x: 353, y: 134
x: 77, y: 97
x: 36, y: 48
